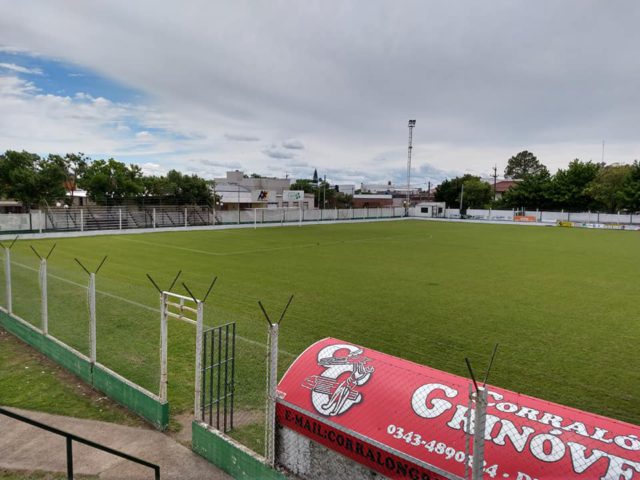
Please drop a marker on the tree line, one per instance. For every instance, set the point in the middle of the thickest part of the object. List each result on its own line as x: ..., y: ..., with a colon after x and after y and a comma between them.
x: 37, y: 181
x: 582, y: 186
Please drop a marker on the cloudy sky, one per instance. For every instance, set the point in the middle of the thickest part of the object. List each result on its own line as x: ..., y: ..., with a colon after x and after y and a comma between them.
x: 283, y: 87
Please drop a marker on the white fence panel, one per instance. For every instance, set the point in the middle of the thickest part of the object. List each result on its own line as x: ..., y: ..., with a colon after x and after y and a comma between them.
x: 228, y: 216
x: 552, y: 217
x: 501, y: 215
x: 14, y: 221
x: 477, y: 213
x: 312, y: 215
x: 345, y: 214
x: 582, y: 217
x: 614, y: 218
x: 292, y: 215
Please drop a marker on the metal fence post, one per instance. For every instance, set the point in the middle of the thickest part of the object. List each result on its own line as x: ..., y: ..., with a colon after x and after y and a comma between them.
x: 82, y: 219
x: 198, y: 381
x: 92, y: 316
x: 154, y: 218
x: 478, y: 433
x: 467, y: 453
x: 272, y: 381
x: 69, y: 458
x: 43, y: 295
x: 186, y: 218
x: 7, y: 277
x: 163, y: 347
x: 119, y: 219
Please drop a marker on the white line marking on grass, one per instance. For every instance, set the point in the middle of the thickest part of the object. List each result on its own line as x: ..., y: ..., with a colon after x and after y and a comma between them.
x: 141, y: 305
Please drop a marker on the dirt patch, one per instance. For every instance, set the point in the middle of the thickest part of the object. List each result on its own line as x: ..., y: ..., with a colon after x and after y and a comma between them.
x: 38, y: 475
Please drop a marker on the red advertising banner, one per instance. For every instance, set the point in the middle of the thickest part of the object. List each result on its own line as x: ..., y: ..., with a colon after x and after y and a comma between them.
x: 406, y: 420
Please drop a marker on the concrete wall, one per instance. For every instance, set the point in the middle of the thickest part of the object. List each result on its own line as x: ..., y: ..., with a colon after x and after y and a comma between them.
x: 308, y: 460
x: 235, y: 459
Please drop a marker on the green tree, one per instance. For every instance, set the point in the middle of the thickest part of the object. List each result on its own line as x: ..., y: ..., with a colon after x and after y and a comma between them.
x: 324, y: 195
x: 523, y: 164
x: 189, y: 189
x: 569, y: 187
x: 30, y: 179
x: 449, y: 190
x: 110, y: 181
x: 157, y: 189
x: 534, y: 191
x: 477, y: 194
x: 303, y: 184
x: 608, y: 187
x: 631, y: 188
x: 343, y: 200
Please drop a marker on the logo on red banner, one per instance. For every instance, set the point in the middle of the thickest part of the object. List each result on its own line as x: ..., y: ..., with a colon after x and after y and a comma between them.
x: 335, y: 390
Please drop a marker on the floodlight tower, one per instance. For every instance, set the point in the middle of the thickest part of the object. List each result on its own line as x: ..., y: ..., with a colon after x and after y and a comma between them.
x: 412, y: 123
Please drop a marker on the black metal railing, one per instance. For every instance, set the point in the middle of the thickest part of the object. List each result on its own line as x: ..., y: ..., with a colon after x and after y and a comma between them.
x: 218, y: 376
x: 70, y: 437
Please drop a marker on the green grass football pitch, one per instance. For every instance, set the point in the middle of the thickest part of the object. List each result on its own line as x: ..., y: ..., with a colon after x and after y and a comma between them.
x: 562, y: 303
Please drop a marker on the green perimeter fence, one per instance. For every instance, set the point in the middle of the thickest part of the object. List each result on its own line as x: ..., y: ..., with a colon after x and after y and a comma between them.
x: 48, y: 306
x: 46, y: 309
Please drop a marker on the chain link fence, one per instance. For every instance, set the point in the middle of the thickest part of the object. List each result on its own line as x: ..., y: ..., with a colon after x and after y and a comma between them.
x: 110, y: 342
x: 68, y: 310
x: 128, y: 339
x: 25, y: 285
x: 3, y: 277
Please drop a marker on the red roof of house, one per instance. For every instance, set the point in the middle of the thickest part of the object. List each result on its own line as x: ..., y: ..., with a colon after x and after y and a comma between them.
x: 504, y: 185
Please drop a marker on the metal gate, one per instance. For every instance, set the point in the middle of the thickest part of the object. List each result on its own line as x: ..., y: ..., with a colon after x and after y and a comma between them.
x: 218, y: 377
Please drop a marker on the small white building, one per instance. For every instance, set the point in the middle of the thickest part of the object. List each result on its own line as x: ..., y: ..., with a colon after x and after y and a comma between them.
x: 430, y: 209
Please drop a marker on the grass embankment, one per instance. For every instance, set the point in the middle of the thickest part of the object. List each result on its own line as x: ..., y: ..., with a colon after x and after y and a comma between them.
x: 31, y: 381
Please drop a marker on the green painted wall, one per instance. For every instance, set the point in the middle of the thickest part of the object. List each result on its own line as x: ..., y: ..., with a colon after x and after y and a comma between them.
x: 125, y: 394
x: 227, y: 456
x: 149, y: 408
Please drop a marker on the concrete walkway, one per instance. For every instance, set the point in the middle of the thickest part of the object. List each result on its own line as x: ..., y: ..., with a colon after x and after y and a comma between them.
x: 24, y: 447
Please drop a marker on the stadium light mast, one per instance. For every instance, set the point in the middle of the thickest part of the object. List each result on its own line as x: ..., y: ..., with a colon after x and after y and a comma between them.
x: 412, y: 123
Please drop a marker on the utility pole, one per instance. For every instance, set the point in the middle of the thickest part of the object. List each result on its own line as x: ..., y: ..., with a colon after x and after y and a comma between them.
x: 461, y: 197
x: 495, y: 180
x: 324, y: 193
x: 603, y: 151
x: 412, y: 123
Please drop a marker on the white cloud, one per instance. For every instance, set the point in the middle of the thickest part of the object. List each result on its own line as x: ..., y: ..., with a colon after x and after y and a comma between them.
x: 20, y: 69
x: 484, y: 81
x: 150, y: 168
